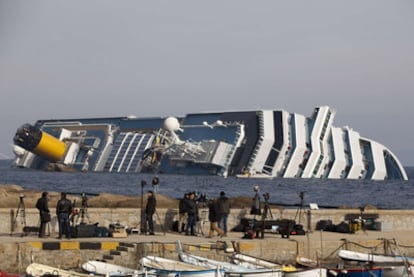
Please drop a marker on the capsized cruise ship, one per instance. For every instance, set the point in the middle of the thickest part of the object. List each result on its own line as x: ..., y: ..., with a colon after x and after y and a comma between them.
x: 256, y: 144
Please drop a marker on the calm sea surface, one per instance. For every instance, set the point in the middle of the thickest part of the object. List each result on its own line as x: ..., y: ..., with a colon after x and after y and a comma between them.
x: 326, y: 193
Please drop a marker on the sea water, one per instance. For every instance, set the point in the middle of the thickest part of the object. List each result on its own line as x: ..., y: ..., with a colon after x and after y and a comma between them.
x: 285, y: 192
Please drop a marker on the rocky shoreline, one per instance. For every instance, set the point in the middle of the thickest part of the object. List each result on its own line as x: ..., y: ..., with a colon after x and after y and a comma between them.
x: 10, y: 197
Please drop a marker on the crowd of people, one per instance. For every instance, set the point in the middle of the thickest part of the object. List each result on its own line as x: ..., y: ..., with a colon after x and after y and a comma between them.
x: 218, y: 211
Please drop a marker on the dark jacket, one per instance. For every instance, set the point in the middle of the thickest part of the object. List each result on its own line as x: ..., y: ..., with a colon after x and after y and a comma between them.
x: 151, y: 204
x: 42, y: 205
x: 64, y: 206
x: 182, y: 206
x: 212, y: 211
x: 223, y: 205
x: 191, y: 207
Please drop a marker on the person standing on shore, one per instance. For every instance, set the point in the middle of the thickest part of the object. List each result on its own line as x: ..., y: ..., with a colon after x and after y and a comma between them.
x: 155, y: 183
x: 212, y: 217
x: 44, y: 213
x: 150, y: 210
x: 223, y: 211
x: 256, y: 209
x: 63, y: 210
x: 182, y: 213
x: 191, y: 215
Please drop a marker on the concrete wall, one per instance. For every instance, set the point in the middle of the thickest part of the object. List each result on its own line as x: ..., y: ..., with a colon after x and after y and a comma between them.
x: 393, y: 219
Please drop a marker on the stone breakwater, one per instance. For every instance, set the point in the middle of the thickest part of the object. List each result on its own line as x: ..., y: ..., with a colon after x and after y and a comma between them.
x: 18, y: 251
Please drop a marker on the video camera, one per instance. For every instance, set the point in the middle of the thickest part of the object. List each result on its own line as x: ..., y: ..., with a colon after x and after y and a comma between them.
x: 266, y: 196
x: 202, y: 198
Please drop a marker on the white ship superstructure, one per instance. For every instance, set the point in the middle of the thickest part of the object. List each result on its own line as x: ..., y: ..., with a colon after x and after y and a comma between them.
x: 339, y: 158
x: 299, y: 135
x: 249, y: 144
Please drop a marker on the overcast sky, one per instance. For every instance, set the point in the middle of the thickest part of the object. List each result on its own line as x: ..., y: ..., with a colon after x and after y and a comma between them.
x: 69, y: 59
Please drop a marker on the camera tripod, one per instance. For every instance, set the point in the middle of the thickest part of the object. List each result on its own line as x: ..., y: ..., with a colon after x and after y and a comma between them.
x: 266, y: 208
x: 260, y: 227
x: 21, y: 211
x: 299, y: 211
x: 203, y: 218
x: 84, y: 210
x: 144, y: 223
x: 81, y: 214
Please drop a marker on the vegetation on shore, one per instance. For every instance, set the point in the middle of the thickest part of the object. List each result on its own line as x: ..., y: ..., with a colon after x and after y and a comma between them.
x: 10, y: 197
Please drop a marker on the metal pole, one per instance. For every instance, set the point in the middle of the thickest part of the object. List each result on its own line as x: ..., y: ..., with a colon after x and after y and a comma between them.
x: 321, y: 244
x: 143, y: 219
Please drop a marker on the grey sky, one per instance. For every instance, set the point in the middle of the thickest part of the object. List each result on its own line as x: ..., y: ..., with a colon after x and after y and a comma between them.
x: 65, y: 59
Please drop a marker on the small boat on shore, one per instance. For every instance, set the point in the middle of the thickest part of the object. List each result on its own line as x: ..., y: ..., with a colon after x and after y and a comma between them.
x: 397, y: 270
x: 109, y: 269
x: 171, y: 268
x: 251, y: 261
x: 374, y: 258
x: 392, y: 266
x: 342, y: 270
x: 230, y: 269
x: 287, y: 271
x: 38, y: 270
x: 355, y: 272
x: 306, y: 272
